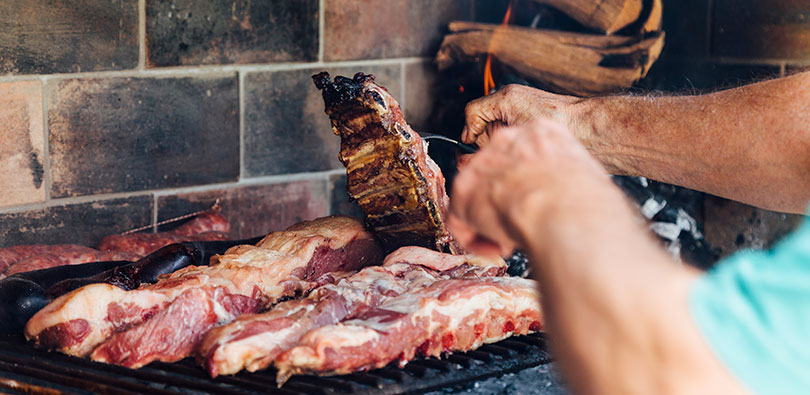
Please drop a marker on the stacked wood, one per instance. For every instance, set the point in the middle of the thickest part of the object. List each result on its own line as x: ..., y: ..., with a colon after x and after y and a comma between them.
x: 563, y: 62
x: 610, y: 16
x: 607, y: 16
x: 651, y: 22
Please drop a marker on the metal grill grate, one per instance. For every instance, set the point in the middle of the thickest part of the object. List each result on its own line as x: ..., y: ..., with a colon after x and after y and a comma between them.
x: 24, y: 369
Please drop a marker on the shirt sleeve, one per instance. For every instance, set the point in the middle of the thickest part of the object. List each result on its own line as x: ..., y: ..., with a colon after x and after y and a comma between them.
x: 753, y: 309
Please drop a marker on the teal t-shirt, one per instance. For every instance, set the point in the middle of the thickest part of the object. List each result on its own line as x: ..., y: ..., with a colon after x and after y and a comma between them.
x: 753, y: 309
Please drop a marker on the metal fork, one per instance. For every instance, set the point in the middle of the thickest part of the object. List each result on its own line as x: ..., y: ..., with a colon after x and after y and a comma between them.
x: 463, y: 147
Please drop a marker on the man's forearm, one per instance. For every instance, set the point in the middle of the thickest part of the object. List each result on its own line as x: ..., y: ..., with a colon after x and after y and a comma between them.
x: 614, y: 301
x: 750, y: 144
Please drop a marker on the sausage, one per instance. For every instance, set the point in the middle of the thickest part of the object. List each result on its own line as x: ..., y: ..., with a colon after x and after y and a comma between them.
x: 145, y: 270
x: 21, y: 298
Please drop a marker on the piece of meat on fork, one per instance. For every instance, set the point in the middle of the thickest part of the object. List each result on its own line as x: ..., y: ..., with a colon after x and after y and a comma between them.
x: 389, y: 173
x: 247, y: 278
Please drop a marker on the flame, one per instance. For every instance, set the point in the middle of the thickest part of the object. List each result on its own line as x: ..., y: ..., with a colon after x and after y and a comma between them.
x: 489, y: 82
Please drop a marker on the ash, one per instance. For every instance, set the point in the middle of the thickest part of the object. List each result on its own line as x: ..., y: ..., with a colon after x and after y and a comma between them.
x: 541, y: 380
x: 519, y: 264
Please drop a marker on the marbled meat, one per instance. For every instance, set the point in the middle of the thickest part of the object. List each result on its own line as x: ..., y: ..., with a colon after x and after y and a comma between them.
x: 247, y: 278
x: 399, y: 188
x: 252, y: 342
x: 449, y: 315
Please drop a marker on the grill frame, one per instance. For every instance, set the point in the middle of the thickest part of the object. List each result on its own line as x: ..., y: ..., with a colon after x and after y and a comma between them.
x: 25, y: 369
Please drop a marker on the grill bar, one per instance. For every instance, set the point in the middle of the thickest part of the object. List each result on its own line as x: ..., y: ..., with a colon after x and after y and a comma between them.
x: 24, y: 369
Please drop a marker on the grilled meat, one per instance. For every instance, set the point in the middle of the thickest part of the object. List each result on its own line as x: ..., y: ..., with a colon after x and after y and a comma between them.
x: 252, y: 342
x: 283, y: 264
x: 449, y: 315
x: 171, y: 334
x: 399, y: 188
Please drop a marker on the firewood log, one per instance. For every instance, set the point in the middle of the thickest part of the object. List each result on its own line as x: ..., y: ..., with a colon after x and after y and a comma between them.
x: 608, y: 16
x: 653, y: 20
x: 563, y: 62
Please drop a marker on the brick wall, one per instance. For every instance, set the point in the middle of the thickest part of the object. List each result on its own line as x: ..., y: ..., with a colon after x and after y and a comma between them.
x: 715, y: 44
x: 116, y: 114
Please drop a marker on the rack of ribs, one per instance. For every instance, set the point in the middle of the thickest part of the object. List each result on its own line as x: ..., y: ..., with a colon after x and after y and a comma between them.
x: 389, y: 173
x: 132, y: 328
x: 449, y: 315
x: 252, y: 342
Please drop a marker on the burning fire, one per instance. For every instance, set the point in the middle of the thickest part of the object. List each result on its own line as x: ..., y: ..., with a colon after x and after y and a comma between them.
x: 489, y: 82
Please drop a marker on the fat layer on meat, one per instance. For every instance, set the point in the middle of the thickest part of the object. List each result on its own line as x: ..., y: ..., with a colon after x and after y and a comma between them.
x: 171, y: 334
x: 448, y: 315
x: 252, y: 342
x: 283, y: 264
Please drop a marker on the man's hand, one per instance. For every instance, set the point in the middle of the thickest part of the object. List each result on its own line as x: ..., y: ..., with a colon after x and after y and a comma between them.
x: 501, y: 196
x: 614, y: 304
x: 514, y: 105
x: 748, y: 144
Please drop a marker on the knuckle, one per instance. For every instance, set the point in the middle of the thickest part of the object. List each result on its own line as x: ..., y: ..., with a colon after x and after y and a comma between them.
x: 471, y: 107
x: 511, y: 89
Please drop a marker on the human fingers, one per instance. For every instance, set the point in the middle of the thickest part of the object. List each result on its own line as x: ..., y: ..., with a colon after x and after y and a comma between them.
x: 512, y: 104
x: 461, y: 231
x: 469, y: 237
x: 478, y: 114
x: 462, y: 160
x: 482, y: 141
x: 475, y: 211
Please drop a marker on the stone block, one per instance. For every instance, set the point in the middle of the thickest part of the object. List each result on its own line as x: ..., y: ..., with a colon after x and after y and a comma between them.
x: 753, y: 29
x: 388, y: 28
x: 194, y: 32
x: 254, y: 210
x: 83, y: 223
x: 129, y: 134
x: 286, y: 129
x: 43, y: 36
x: 22, y: 173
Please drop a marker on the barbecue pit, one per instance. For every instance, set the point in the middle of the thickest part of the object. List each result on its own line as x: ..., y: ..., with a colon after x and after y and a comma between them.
x: 24, y: 369
x: 143, y: 111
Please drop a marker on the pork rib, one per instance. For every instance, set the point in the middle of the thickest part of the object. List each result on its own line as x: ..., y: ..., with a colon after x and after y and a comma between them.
x: 399, y: 188
x: 252, y: 342
x: 449, y: 315
x: 282, y: 265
